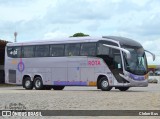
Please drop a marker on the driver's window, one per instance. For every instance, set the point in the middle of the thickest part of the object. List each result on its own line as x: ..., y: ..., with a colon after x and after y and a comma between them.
x: 117, y: 61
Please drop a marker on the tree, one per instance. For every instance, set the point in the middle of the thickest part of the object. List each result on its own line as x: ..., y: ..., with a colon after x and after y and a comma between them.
x: 79, y: 35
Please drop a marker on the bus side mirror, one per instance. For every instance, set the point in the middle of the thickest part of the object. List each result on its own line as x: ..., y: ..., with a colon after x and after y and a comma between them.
x: 153, y: 55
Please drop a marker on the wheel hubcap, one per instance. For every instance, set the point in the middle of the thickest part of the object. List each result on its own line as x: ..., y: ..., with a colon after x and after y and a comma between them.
x: 28, y: 83
x: 38, y: 83
x: 105, y: 84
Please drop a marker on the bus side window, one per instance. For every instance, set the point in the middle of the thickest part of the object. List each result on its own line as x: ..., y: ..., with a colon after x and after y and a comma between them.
x: 72, y: 49
x: 88, y: 49
x: 28, y: 51
x: 103, y: 50
x: 14, y: 52
x: 56, y: 50
x: 117, y: 61
x: 42, y: 51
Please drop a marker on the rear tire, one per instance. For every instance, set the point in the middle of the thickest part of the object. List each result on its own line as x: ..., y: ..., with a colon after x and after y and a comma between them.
x: 38, y: 83
x: 28, y: 84
x: 58, y: 87
x: 104, y: 84
x: 123, y: 88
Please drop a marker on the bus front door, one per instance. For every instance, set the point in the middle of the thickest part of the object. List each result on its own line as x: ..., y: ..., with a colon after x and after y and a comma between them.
x: 117, y: 67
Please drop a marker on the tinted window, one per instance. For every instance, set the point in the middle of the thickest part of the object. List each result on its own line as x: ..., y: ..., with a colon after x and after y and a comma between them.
x: 88, y: 49
x: 42, y: 51
x: 56, y: 50
x: 109, y: 55
x: 72, y: 49
x: 28, y: 51
x: 14, y: 52
x: 103, y: 50
x: 108, y: 43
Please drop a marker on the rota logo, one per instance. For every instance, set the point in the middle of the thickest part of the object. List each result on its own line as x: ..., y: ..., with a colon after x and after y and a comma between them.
x: 94, y: 62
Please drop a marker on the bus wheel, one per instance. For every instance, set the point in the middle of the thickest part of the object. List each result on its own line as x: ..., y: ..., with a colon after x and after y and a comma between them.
x: 58, y: 87
x: 38, y: 83
x: 28, y: 84
x: 123, y: 88
x: 104, y: 85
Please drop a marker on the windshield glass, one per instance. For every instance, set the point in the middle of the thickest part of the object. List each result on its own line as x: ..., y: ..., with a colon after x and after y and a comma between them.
x: 137, y: 64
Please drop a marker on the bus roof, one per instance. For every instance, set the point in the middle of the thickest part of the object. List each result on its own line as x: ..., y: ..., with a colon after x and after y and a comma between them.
x: 58, y: 40
x: 124, y: 41
x: 115, y: 39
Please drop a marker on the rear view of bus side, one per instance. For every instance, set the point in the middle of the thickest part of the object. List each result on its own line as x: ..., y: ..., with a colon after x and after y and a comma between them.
x: 83, y: 61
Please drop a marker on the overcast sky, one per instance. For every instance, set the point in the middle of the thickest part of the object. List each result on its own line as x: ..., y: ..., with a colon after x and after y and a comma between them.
x: 46, y: 19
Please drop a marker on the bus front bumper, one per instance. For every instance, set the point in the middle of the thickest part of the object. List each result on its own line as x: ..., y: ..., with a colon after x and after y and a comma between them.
x: 135, y: 80
x: 133, y: 83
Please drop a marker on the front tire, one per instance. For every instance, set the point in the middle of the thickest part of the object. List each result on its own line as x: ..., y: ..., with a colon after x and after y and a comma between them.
x: 28, y: 84
x: 123, y: 88
x: 58, y: 87
x: 38, y: 83
x: 104, y: 84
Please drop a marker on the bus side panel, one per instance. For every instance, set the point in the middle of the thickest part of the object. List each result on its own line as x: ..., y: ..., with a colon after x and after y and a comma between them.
x: 87, y: 75
x: 13, y: 73
x: 59, y: 70
x: 37, y: 67
x: 48, y: 77
x: 59, y: 75
x: 73, y: 69
x: 77, y: 72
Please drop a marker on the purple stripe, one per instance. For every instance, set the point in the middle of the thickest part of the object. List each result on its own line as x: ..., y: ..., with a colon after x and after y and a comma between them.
x: 136, y: 77
x: 78, y: 83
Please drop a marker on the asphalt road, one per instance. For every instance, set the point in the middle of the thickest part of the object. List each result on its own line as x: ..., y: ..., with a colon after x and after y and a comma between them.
x: 82, y: 98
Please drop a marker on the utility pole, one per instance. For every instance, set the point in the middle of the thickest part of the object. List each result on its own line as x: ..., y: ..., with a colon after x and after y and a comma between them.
x: 15, y: 36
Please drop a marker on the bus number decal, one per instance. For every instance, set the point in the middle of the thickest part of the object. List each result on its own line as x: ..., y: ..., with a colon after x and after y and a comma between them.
x: 94, y: 62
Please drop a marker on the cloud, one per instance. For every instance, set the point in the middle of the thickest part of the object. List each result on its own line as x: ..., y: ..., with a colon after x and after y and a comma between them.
x: 13, y: 11
x: 151, y: 62
x: 153, y: 46
x: 43, y: 19
x: 56, y: 34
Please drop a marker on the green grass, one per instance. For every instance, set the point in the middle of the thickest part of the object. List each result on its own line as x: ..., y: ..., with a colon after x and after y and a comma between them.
x: 7, y: 85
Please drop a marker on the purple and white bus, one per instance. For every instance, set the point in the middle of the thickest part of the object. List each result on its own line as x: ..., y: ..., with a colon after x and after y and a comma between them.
x: 104, y: 62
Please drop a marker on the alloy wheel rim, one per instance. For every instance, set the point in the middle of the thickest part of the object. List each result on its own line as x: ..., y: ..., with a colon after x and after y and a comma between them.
x: 105, y: 84
x: 27, y: 83
x: 38, y: 83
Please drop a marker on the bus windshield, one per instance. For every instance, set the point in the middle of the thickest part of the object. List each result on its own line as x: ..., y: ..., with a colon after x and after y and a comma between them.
x: 137, y: 64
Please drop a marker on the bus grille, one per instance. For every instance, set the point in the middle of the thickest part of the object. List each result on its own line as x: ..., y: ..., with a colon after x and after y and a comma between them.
x: 12, y: 76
